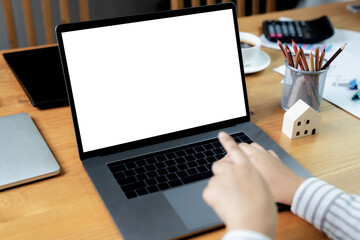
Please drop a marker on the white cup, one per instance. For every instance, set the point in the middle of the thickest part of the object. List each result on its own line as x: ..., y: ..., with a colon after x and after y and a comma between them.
x: 250, y: 54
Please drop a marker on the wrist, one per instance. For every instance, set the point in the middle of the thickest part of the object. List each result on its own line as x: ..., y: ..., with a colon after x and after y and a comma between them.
x: 268, y: 231
x: 262, y: 219
x: 292, y: 188
x: 244, y: 234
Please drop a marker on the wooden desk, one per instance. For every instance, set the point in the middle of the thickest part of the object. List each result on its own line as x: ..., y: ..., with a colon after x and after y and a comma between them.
x: 68, y: 206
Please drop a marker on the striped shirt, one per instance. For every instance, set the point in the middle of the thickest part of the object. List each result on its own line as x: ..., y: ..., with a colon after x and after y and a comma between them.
x: 329, y: 209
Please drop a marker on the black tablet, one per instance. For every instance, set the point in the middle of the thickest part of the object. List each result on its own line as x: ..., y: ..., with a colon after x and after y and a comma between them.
x: 39, y: 72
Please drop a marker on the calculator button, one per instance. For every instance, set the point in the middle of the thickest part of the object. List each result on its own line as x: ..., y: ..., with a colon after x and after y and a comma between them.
x: 271, y: 29
x: 278, y: 31
x: 292, y: 30
x: 298, y: 29
x: 284, y: 29
x: 299, y: 32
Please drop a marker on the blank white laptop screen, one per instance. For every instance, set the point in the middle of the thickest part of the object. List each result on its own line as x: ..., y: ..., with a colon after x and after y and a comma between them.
x: 144, y: 79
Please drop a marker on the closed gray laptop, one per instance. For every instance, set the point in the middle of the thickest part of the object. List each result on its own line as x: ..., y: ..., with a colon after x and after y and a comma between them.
x: 24, y: 155
x: 148, y: 96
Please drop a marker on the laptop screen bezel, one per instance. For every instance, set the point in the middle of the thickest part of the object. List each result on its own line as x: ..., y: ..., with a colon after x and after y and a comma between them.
x: 138, y: 18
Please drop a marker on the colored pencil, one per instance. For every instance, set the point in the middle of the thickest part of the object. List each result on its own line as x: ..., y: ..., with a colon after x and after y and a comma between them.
x: 286, y: 47
x: 311, y: 61
x: 286, y: 54
x: 296, y: 51
x: 321, y: 58
x: 333, y: 57
x: 291, y: 61
x: 281, y: 47
x: 311, y: 58
x: 290, y: 55
x: 317, y: 59
x: 303, y: 58
x: 297, y: 59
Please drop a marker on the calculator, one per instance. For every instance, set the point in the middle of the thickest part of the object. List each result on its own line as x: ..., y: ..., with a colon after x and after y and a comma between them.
x: 310, y: 31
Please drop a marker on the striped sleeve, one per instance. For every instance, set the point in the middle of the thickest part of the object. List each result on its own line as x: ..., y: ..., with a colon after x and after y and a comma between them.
x: 329, y: 209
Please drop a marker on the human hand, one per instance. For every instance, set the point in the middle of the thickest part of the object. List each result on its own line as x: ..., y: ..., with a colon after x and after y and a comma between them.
x: 238, y: 193
x: 282, y: 181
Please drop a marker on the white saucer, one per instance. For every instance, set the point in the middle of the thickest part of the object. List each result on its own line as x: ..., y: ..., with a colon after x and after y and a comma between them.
x: 262, y: 62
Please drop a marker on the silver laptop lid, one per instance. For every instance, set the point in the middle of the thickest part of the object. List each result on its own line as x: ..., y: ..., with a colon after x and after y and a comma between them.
x: 24, y: 154
x: 135, y: 78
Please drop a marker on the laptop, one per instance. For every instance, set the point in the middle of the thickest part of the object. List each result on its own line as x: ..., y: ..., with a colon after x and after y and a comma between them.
x: 148, y: 96
x: 25, y: 157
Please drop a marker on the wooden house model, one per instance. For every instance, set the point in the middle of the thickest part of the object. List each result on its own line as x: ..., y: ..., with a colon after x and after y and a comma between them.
x: 301, y: 120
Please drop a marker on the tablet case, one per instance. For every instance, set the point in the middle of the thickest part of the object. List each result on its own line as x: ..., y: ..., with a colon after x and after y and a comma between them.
x: 39, y: 72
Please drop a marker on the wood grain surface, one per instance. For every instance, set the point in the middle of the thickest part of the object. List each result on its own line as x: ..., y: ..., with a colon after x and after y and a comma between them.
x: 68, y: 207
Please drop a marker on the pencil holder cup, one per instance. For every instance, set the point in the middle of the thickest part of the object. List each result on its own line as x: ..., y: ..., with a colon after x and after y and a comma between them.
x: 305, y: 85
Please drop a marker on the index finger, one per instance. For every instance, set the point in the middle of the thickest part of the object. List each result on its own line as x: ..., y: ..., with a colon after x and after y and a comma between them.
x: 236, y: 154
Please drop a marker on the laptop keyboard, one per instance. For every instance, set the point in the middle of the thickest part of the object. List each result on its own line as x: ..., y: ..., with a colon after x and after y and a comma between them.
x: 171, y: 168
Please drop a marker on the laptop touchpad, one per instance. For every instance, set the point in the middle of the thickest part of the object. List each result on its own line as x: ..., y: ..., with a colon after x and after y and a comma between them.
x: 191, y: 208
